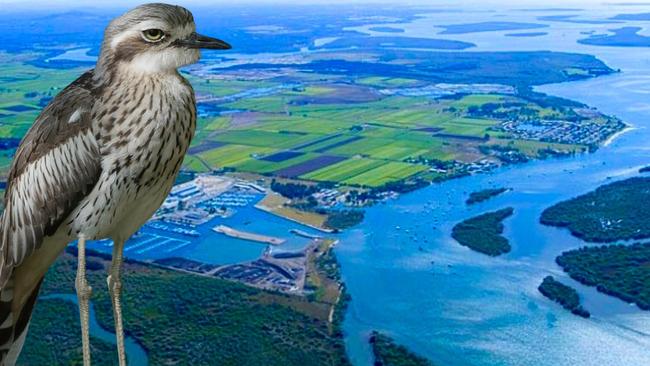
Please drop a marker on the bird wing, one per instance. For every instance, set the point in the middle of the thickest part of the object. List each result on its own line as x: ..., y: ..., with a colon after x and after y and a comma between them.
x: 56, y: 164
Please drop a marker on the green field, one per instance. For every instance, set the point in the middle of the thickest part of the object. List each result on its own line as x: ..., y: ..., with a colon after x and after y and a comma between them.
x: 385, y: 138
x: 343, y: 170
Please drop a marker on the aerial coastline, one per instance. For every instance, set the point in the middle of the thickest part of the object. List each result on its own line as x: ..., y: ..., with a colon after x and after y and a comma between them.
x: 366, y: 163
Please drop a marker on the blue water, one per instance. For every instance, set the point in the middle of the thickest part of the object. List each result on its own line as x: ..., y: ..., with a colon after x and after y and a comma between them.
x: 458, y: 307
x: 212, y: 247
x: 136, y: 355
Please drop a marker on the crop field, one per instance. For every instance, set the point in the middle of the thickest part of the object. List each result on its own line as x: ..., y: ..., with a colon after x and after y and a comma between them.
x: 264, y: 166
x: 231, y: 155
x: 359, y: 130
x: 262, y: 138
x: 343, y: 170
x: 282, y: 156
x: 307, y: 166
x: 312, y: 133
x: 387, y: 172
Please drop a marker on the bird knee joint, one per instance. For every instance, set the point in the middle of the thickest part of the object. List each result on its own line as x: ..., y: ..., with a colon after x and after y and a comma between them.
x: 114, y: 285
x: 83, y: 289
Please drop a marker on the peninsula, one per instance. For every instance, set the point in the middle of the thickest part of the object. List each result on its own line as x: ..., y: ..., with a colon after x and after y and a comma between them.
x: 389, y: 353
x: 611, y: 213
x: 238, y: 234
x: 617, y: 270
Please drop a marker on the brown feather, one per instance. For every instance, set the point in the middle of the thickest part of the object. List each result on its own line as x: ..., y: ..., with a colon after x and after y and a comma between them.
x: 60, y: 187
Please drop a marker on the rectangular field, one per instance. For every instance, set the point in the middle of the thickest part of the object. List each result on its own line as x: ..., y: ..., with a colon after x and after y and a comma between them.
x: 263, y: 138
x: 343, y: 170
x: 300, y: 169
x: 232, y: 155
x: 282, y: 156
x: 387, y: 172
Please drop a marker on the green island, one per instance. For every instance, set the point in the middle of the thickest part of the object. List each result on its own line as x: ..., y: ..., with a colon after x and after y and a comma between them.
x: 618, y: 270
x: 484, y: 195
x: 483, y: 233
x: 200, y: 320
x: 388, y: 353
x: 610, y: 213
x: 563, y: 295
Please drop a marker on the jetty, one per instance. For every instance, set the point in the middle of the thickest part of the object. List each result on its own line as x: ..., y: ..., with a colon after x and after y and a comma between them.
x: 305, y: 234
x: 228, y: 231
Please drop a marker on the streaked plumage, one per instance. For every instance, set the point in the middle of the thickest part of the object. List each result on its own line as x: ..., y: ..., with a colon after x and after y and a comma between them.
x: 99, y: 159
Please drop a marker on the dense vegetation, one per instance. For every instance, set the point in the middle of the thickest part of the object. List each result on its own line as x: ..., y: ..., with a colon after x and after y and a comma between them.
x: 388, y: 353
x: 612, y: 212
x: 190, y: 320
x: 564, y: 295
x: 484, y: 195
x: 483, y: 233
x: 618, y: 270
x: 293, y: 190
x: 62, y: 343
x: 343, y: 219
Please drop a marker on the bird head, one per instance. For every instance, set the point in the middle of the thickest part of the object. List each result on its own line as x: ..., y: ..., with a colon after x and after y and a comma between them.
x: 153, y: 38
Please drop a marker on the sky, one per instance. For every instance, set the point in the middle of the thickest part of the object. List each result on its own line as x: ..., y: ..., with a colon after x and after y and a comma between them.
x: 462, y: 3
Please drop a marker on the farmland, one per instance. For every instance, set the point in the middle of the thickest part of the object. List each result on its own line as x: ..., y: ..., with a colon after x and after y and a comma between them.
x: 372, y: 130
x: 309, y: 133
x: 360, y: 129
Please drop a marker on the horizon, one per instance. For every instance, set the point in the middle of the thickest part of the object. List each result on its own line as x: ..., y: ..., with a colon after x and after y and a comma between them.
x: 478, y: 4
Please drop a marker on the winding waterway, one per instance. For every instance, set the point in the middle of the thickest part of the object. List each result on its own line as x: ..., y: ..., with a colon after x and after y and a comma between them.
x: 136, y: 355
x: 409, y: 279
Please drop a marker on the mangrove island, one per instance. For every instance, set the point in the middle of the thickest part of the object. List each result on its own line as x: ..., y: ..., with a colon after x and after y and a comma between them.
x: 563, y: 295
x: 483, y: 233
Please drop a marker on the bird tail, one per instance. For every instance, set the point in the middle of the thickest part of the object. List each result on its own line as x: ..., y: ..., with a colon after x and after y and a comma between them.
x: 13, y: 326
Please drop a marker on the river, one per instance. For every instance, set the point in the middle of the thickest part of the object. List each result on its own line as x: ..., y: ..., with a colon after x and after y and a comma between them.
x: 459, y: 307
x: 136, y: 355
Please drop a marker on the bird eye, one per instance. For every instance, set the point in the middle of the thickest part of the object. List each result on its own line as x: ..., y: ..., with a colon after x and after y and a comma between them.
x: 153, y: 35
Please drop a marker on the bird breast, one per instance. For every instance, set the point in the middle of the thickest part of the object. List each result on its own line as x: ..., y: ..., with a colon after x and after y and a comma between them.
x: 144, y: 127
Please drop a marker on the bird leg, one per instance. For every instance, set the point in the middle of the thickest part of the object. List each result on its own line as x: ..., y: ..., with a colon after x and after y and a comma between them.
x: 115, y: 289
x: 83, y: 295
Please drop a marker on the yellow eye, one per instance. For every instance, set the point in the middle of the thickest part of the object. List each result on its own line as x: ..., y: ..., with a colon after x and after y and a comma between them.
x: 153, y: 35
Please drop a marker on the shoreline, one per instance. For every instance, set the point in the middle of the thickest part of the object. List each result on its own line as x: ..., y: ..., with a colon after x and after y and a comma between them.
x: 270, y: 210
x: 618, y: 134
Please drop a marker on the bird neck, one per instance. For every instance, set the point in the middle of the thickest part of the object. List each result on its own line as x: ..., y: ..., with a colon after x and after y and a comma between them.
x: 108, y: 72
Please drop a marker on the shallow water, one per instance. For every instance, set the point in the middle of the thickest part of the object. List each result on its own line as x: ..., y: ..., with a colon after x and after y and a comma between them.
x: 136, y: 355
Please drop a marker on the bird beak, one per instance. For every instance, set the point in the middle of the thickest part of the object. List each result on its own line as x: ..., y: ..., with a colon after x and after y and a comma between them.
x: 196, y: 40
